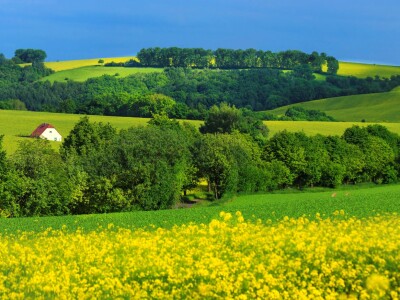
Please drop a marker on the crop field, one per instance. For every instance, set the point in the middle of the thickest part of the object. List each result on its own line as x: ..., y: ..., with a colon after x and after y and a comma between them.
x: 73, y: 64
x: 321, y: 245
x: 367, y: 70
x: 15, y: 131
x: 84, y: 73
x: 379, y: 107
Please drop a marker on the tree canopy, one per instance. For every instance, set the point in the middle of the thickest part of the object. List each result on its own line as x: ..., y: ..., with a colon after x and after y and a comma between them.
x: 29, y: 55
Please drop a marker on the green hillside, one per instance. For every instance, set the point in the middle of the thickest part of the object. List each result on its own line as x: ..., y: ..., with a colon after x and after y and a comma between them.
x: 380, y: 107
x: 17, y: 131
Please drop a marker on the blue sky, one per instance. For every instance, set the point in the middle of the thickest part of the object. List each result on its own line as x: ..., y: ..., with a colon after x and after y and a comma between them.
x: 350, y: 30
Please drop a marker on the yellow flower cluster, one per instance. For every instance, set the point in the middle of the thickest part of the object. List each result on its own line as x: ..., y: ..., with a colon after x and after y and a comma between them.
x: 229, y: 258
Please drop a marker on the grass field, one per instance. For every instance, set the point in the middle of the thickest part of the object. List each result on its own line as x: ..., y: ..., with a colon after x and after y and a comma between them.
x: 324, y: 128
x: 367, y: 70
x: 353, y: 200
x: 73, y: 64
x: 379, y: 107
x: 84, y: 73
x: 16, y: 125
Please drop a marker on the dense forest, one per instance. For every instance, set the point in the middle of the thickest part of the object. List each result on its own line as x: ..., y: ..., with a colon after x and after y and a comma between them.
x: 99, y: 169
x: 179, y: 92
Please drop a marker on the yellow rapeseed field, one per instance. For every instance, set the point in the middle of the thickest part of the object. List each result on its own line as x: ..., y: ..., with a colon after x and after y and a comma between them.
x: 334, y: 258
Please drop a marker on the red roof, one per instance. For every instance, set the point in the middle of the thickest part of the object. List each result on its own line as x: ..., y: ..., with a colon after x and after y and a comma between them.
x: 41, y: 128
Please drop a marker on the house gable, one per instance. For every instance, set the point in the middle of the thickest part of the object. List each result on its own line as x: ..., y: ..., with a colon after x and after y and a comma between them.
x: 47, y: 131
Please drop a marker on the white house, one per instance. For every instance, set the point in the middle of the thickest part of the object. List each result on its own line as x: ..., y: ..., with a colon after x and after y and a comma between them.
x: 48, y: 132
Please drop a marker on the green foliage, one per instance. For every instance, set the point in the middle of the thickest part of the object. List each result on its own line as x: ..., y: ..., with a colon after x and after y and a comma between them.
x: 359, y: 201
x: 140, y: 168
x: 333, y: 65
x: 13, y: 104
x: 227, y: 119
x: 230, y: 163
x: 30, y: 55
x: 36, y: 183
x: 304, y: 71
x: 298, y: 113
x: 231, y: 59
x: 287, y: 148
x: 85, y: 137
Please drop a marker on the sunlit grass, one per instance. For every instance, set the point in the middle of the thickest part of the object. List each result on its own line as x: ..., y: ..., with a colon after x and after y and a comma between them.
x: 16, y: 125
x: 73, y: 64
x: 367, y: 70
x: 377, y: 107
x: 84, y: 73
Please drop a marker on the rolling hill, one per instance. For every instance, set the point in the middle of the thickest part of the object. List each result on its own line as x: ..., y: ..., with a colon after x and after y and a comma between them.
x: 379, y: 107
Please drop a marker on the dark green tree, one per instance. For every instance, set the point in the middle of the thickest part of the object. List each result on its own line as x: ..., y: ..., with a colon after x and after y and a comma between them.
x: 30, y: 55
x: 333, y: 65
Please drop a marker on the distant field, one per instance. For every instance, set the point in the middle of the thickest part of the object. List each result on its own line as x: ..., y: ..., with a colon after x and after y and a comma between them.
x: 84, y: 73
x: 73, y: 64
x: 16, y: 125
x: 355, y: 201
x: 379, y: 107
x: 367, y: 70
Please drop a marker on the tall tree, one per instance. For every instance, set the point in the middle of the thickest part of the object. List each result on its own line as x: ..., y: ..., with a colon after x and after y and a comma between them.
x: 30, y: 55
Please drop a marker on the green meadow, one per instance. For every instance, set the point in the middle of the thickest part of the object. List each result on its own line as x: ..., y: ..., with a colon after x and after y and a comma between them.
x: 353, y: 200
x: 28, y: 121
x: 379, y: 107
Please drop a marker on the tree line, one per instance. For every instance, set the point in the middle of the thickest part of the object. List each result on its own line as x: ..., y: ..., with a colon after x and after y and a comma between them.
x: 234, y: 59
x: 178, y: 92
x: 99, y: 169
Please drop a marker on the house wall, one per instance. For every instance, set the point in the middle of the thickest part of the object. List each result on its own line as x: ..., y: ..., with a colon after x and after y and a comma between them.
x: 51, y: 134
